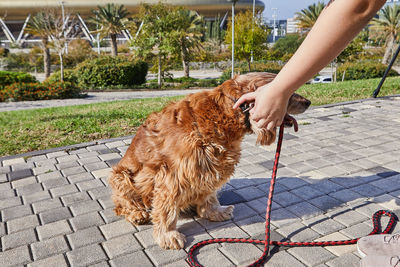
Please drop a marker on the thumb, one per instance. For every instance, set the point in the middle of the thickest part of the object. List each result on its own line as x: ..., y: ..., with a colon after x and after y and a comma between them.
x: 249, y: 97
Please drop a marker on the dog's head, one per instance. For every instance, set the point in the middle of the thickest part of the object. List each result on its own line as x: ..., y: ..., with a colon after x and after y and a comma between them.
x: 242, y: 84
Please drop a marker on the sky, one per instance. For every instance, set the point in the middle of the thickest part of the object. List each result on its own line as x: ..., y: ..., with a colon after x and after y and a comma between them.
x: 286, y: 8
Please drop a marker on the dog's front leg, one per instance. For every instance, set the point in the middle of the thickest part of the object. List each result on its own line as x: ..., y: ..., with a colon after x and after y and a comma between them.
x: 164, y: 217
x: 211, y: 209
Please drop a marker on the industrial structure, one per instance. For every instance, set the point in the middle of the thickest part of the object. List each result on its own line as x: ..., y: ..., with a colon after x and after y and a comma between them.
x: 14, y: 14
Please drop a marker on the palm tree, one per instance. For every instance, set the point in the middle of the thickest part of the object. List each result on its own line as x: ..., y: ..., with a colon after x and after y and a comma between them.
x: 308, y: 16
x: 38, y: 26
x: 189, y: 33
x: 388, y: 24
x: 111, y: 20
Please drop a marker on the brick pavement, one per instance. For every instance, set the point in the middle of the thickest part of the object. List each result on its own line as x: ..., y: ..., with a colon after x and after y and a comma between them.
x: 341, y: 166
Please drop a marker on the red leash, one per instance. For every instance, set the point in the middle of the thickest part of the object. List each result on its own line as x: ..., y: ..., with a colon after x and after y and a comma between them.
x: 375, y: 219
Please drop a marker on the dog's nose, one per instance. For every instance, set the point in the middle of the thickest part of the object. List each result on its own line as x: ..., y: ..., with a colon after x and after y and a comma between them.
x: 307, y: 103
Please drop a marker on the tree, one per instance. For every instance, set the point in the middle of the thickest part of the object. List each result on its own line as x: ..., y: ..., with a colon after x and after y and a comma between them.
x: 250, y: 36
x: 308, y: 16
x: 157, y: 37
x: 353, y: 50
x: 187, y: 34
x: 288, y: 44
x: 37, y: 26
x: 388, y: 24
x: 111, y: 20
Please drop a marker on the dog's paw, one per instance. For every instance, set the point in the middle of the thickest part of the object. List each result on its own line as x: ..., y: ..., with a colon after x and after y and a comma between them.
x: 138, y: 217
x: 221, y: 213
x: 171, y: 240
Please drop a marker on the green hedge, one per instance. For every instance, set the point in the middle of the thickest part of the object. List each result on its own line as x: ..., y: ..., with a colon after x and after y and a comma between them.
x: 9, y: 77
x: 362, y: 70
x: 272, y: 67
x: 106, y: 72
x: 38, y: 91
x: 69, y: 76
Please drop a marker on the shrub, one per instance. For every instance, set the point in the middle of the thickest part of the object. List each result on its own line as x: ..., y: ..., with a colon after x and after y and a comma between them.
x: 256, y: 67
x: 104, y: 72
x: 9, y: 77
x: 37, y: 91
x: 4, y: 52
x: 362, y: 70
x: 69, y: 76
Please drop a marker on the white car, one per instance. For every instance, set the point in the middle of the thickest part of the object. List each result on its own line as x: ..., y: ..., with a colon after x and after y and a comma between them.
x: 322, y: 79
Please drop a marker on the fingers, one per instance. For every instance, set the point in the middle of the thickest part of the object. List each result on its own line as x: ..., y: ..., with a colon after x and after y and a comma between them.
x: 250, y: 97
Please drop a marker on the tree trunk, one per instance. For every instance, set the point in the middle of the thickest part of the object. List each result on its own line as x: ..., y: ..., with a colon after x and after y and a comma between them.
x: 185, y: 59
x: 388, y: 51
x: 248, y: 64
x: 61, y: 66
x: 46, y: 58
x: 159, y: 70
x: 114, y: 46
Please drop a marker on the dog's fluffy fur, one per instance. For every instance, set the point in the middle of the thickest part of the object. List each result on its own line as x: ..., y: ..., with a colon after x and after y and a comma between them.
x: 182, y: 155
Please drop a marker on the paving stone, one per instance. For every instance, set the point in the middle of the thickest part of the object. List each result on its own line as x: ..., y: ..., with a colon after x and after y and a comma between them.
x: 229, y: 198
x: 85, y: 237
x: 53, y: 229
x: 161, y: 256
x: 63, y: 190
x: 113, y: 162
x: 311, y: 256
x: 283, y: 259
x: 102, y: 173
x: 346, y: 195
x: 138, y: 257
x: 387, y: 201
x: 48, y: 204
x: 298, y: 232
x: 87, y: 154
x: 338, y: 250
x: 75, y: 197
x: 86, y: 185
x: 345, y: 260
x: 146, y: 239
x: 86, y: 220
x: 49, y: 247
x: 282, y: 217
x: 67, y: 165
x: 73, y: 171
x: 54, y: 215
x: 110, y: 156
x: 230, y: 230
x: 323, y: 224
x: 286, y: 199
x: 13, y: 161
x: 49, y: 176
x: 241, y: 254
x: 85, y: 207
x: 85, y: 161
x: 121, y: 245
x: 250, y: 193
x: 44, y: 169
x: 56, y: 154
x: 85, y: 256
x: 22, y: 166
x: 16, y: 256
x: 16, y: 175
x: 96, y: 147
x: 38, y: 196
x: 242, y: 211
x: 3, y: 178
x: 17, y: 239
x: 29, y: 189
x: 306, y: 192
x: 368, y: 190
x: 5, y: 169
x: 57, y: 260
x: 95, y: 166
x: 15, y: 212
x: 54, y: 183
x: 117, y: 228
x: 73, y: 179
x: 357, y: 230
x: 325, y: 202
x: 388, y: 184
x: 106, y: 202
x: 23, y: 182
x: 22, y: 223
x: 67, y: 158
x: 327, y: 186
x: 253, y: 226
x: 100, y: 192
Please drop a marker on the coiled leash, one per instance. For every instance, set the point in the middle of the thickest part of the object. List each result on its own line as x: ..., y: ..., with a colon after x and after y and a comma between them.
x: 375, y: 219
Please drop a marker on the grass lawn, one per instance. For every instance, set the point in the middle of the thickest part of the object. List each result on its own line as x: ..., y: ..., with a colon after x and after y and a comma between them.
x: 29, y: 130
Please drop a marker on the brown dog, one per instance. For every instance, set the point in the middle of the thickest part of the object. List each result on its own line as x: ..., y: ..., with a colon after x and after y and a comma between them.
x: 182, y: 155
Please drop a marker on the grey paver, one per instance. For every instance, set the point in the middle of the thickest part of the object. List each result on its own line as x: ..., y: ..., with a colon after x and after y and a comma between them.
x: 49, y: 247
x: 137, y: 257
x: 16, y: 256
x: 79, y: 208
x: 54, y: 215
x: 45, y: 205
x: 86, y: 220
x: 18, y: 239
x: 22, y: 223
x: 37, y: 196
x: 117, y: 228
x: 161, y: 256
x: 75, y: 197
x: 53, y: 229
x: 241, y: 255
x: 311, y: 256
x: 86, y: 255
x: 15, y: 212
x: 57, y: 260
x: 85, y: 237
x: 121, y: 245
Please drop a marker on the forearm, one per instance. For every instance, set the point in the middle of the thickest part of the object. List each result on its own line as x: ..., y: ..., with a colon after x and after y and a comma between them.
x: 325, y: 42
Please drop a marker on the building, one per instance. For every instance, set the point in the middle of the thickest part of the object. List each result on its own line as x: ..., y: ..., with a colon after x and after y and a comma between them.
x: 291, y: 26
x: 14, y: 14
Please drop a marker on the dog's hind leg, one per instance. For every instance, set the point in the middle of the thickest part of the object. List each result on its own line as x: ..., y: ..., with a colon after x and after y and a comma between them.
x: 211, y: 209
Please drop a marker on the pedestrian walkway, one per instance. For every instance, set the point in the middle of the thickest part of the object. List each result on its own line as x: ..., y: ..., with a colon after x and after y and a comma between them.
x: 341, y: 167
x: 91, y: 98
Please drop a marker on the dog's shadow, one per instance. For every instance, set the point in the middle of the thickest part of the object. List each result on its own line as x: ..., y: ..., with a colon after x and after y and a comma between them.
x: 298, y: 205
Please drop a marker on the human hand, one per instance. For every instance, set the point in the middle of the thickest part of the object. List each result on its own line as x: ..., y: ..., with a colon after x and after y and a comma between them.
x: 270, y: 106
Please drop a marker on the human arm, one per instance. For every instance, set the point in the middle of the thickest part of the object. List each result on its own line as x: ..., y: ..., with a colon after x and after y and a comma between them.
x: 337, y: 25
